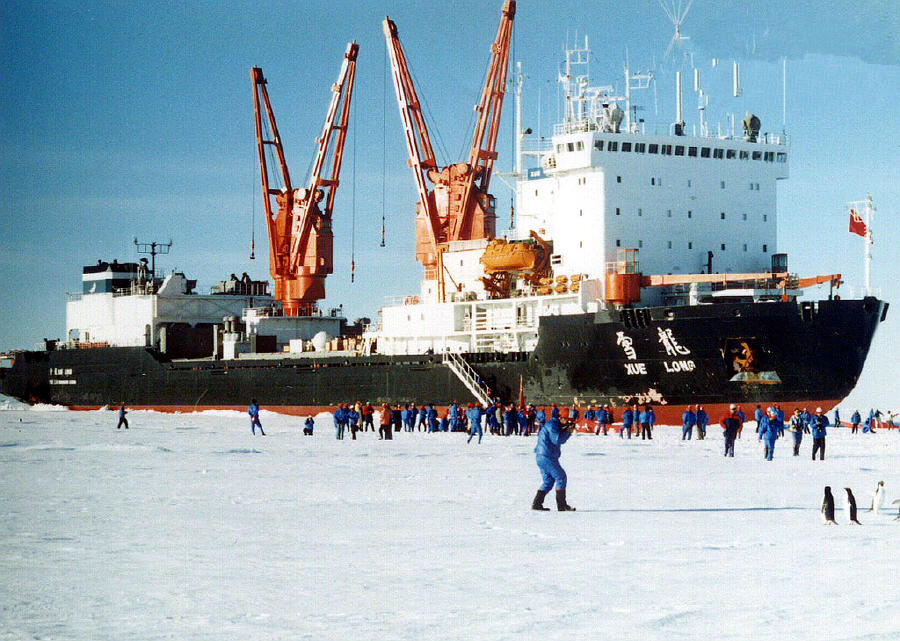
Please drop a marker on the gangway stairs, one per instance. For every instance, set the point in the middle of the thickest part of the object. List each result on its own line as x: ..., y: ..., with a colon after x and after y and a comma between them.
x: 467, y: 375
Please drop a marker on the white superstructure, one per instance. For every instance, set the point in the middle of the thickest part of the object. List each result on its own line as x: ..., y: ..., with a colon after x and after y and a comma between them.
x: 133, y: 313
x: 689, y: 203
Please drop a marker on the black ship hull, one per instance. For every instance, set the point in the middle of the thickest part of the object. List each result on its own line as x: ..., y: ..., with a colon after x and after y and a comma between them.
x: 789, y: 353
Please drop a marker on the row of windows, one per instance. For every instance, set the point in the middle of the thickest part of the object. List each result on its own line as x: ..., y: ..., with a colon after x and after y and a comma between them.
x: 656, y: 181
x: 690, y: 245
x: 676, y: 150
x: 690, y: 214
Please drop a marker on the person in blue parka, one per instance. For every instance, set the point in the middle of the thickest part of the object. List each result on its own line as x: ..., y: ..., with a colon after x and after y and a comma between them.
x: 431, y: 419
x: 453, y: 415
x: 702, y: 422
x: 627, y: 422
x: 339, y: 422
x: 601, y: 420
x: 688, y: 421
x: 648, y: 418
x: 770, y: 428
x: 423, y: 414
x: 541, y: 416
x: 817, y: 425
x: 353, y: 419
x: 473, y: 414
x: 523, y: 416
x: 510, y: 420
x: 309, y: 426
x: 837, y: 418
x: 547, y: 453
x: 855, y: 420
x: 253, y: 411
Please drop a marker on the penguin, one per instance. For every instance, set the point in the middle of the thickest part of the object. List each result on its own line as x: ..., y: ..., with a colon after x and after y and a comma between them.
x: 828, y: 507
x: 850, y: 507
x: 878, y: 498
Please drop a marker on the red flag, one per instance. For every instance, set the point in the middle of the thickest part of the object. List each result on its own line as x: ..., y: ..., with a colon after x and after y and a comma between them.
x: 521, y: 392
x: 857, y: 224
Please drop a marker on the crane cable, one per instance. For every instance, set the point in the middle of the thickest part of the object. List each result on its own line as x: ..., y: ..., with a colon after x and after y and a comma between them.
x: 384, y: 76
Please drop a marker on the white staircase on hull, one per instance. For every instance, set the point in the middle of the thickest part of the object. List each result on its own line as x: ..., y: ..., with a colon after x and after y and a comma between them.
x: 467, y: 375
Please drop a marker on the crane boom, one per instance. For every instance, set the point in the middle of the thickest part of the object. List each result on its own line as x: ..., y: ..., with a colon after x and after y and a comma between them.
x: 418, y: 142
x: 301, y: 241
x: 276, y: 266
x: 458, y: 205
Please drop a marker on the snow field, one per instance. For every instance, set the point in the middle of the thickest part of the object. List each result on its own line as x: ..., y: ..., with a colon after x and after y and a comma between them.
x: 187, y: 527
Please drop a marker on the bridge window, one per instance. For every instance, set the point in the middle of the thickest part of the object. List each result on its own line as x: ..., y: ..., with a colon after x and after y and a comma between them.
x: 757, y: 155
x: 639, y: 147
x: 612, y: 146
x: 598, y: 145
x: 626, y: 146
x: 653, y: 149
x: 666, y: 149
x: 692, y: 152
x: 731, y: 154
x: 679, y: 150
x: 718, y: 153
x: 704, y: 152
x: 781, y: 157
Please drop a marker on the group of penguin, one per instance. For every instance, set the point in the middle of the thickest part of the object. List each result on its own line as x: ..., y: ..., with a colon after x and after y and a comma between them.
x: 850, y: 505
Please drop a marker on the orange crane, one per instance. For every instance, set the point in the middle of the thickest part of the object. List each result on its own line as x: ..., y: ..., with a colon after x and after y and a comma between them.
x: 458, y: 206
x: 301, y: 242
x: 624, y: 281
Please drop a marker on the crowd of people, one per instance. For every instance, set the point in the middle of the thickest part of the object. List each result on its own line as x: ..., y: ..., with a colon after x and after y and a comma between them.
x: 637, y: 421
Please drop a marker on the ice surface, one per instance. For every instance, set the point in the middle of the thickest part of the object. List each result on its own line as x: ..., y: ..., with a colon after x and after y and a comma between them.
x: 187, y: 527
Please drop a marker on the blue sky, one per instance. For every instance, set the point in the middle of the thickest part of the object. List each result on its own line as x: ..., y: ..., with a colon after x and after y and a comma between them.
x: 123, y: 120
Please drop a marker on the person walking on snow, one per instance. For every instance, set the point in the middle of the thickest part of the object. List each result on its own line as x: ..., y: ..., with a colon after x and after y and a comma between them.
x: 353, y: 419
x: 837, y: 418
x: 648, y: 418
x: 855, y: 420
x: 770, y: 428
x: 731, y: 423
x: 253, y: 411
x: 473, y: 415
x: 818, y: 425
x: 702, y: 422
x: 547, y: 453
x: 339, y: 419
x: 688, y: 420
x: 309, y: 426
x: 796, y: 430
x: 627, y: 420
x: 122, y: 419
